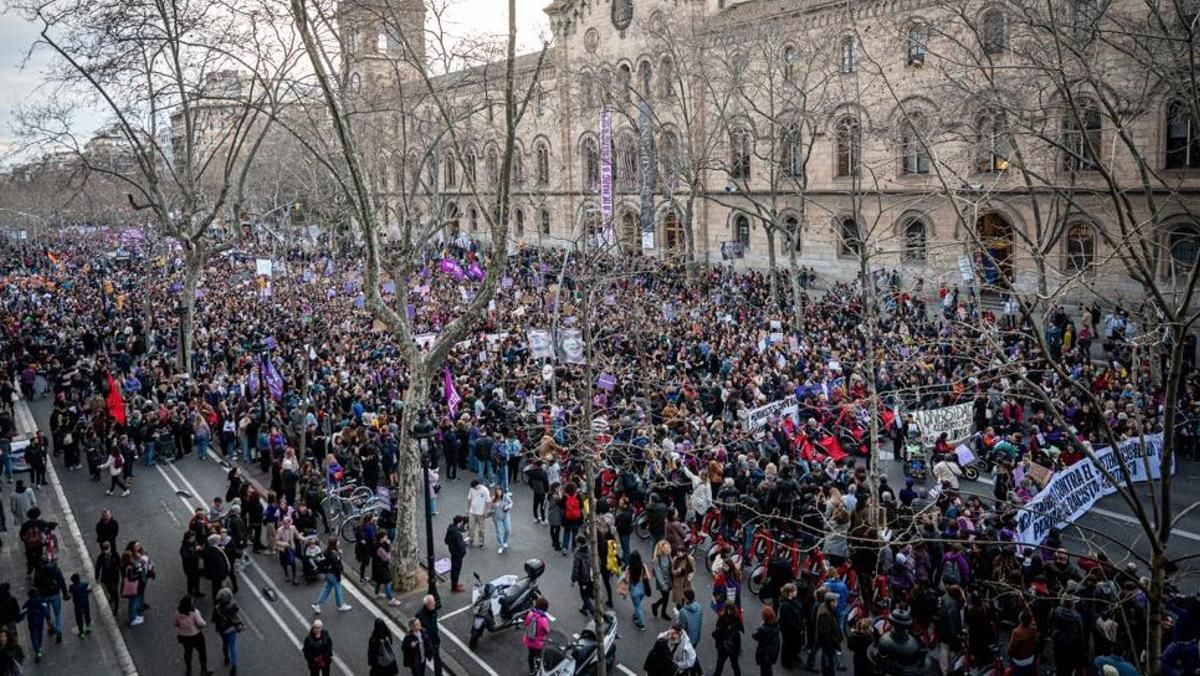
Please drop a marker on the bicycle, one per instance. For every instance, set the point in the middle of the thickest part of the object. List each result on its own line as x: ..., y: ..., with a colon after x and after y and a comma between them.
x: 344, y: 498
x: 349, y: 525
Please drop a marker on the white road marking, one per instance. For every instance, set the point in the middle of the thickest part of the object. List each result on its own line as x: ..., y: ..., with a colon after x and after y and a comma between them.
x: 1124, y: 518
x: 106, y: 618
x: 446, y: 616
x: 337, y: 660
x: 625, y: 670
x: 362, y: 599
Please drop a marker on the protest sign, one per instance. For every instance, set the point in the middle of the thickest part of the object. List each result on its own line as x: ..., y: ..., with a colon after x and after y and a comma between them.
x: 757, y: 418
x: 262, y: 267
x: 1072, y: 492
x: 540, y: 345
x: 956, y: 421
x: 570, y: 346
x: 425, y: 341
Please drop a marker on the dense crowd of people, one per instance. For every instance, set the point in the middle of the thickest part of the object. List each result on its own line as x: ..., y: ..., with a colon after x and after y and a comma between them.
x: 291, y: 373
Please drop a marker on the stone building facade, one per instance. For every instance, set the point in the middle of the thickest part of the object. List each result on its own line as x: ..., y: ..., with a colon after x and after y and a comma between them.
x: 922, y: 135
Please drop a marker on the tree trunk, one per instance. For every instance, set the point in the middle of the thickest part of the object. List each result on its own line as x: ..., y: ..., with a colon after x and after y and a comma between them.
x: 409, y: 510
x: 193, y: 263
x: 1154, y: 615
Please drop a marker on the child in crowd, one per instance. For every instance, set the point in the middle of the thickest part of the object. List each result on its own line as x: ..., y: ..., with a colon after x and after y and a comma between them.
x: 81, y: 596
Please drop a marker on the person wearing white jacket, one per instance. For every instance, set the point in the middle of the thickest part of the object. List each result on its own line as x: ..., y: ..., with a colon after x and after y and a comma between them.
x: 947, y: 472
x: 115, y: 464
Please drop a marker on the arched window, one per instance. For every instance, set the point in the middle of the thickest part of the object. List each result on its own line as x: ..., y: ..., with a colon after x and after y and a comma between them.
x: 792, y: 151
x: 591, y: 163
x: 587, y: 91
x: 848, y: 138
x: 469, y: 165
x: 1184, y: 244
x: 473, y: 219
x: 849, y: 237
x: 452, y: 218
x: 543, y: 164
x: 914, y: 145
x: 630, y: 233
x: 627, y: 161
x: 383, y: 41
x: 994, y: 34
x: 544, y: 217
x: 666, y: 78
x: 1183, y: 141
x: 646, y: 80
x: 493, y: 167
x: 1081, y: 137
x: 789, y: 63
x: 915, y: 238
x: 791, y: 226
x: 992, y: 128
x: 741, y: 144
x: 673, y: 231
x: 624, y: 78
x: 519, y: 220
x: 918, y: 44
x: 668, y: 162
x: 849, y: 54
x: 451, y: 171
x: 518, y: 168
x: 742, y: 227
x: 1081, y: 247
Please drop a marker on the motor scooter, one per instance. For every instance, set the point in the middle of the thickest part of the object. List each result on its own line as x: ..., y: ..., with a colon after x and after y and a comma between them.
x: 579, y: 657
x: 504, y: 602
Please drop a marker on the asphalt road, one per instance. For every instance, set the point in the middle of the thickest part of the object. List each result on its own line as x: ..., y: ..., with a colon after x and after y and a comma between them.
x: 164, y: 496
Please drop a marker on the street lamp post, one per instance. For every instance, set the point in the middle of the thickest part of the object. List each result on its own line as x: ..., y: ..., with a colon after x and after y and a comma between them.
x: 422, y: 432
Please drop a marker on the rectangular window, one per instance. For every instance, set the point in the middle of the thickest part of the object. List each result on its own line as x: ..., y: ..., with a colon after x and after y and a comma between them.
x: 849, y: 57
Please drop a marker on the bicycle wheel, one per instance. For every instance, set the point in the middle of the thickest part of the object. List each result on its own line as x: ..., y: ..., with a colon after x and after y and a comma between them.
x: 641, y: 528
x: 360, y: 495
x: 332, y: 506
x: 756, y: 580
x: 346, y: 530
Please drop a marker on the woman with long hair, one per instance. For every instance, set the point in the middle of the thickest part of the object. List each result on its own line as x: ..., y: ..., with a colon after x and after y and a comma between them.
x: 285, y: 544
x: 662, y: 578
x: 381, y: 655
x: 189, y: 625
x: 636, y: 583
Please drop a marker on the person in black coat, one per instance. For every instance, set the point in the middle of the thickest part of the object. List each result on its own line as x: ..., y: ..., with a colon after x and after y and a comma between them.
x: 768, y: 640
x: 107, y: 529
x: 216, y: 564
x: 727, y: 637
x: 458, y: 550
x: 189, y: 556
x: 381, y: 654
x: 318, y: 650
x: 659, y: 660
x: 792, y: 616
x: 108, y: 573
x: 429, y: 621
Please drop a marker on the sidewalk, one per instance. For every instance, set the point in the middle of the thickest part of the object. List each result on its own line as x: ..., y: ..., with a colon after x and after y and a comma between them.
x: 103, y: 651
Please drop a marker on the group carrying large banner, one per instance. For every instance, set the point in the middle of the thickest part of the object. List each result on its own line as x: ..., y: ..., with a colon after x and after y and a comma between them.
x: 1072, y: 492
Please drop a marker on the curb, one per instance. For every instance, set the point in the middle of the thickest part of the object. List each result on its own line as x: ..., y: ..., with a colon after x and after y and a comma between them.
x: 26, y: 425
x: 450, y: 665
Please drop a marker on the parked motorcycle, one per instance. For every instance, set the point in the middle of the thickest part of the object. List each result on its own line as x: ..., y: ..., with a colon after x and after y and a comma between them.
x: 579, y: 657
x: 503, y: 602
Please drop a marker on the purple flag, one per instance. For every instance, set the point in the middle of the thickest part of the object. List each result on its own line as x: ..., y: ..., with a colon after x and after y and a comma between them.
x: 475, y: 272
x: 451, y: 394
x: 506, y: 282
x: 388, y: 287
x: 274, y: 380
x: 360, y: 301
x: 176, y: 287
x: 452, y: 268
x: 607, y: 381
x: 412, y: 311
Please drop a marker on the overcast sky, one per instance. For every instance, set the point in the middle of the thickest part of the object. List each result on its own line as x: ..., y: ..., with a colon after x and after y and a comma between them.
x: 20, y: 84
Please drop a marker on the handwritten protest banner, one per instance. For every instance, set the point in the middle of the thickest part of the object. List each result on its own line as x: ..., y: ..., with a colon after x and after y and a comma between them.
x: 1072, y: 492
x: 956, y: 421
x: 757, y: 418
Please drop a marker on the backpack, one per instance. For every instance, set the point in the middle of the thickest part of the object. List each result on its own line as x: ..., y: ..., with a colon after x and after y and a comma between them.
x: 118, y: 461
x: 33, y: 537
x: 531, y: 627
x: 572, y: 509
x: 950, y: 573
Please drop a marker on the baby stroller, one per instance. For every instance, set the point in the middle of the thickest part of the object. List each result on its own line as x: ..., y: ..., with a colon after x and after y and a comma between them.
x: 312, y: 557
x: 915, y: 462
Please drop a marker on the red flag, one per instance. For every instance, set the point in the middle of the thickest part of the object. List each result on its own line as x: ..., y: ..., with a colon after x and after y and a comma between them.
x: 116, y: 405
x: 832, y: 448
x: 888, y: 417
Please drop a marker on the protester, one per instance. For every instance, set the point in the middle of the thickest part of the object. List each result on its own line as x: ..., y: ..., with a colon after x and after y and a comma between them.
x: 318, y: 650
x: 537, y: 630
x: 190, y: 628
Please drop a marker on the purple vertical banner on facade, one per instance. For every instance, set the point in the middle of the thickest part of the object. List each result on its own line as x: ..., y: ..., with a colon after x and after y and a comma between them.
x: 606, y: 173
